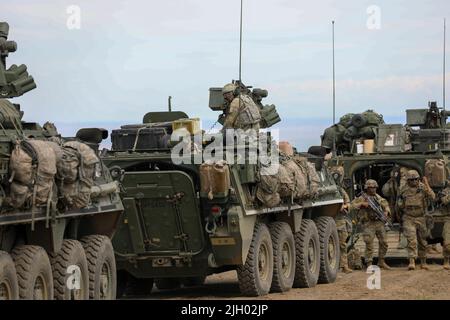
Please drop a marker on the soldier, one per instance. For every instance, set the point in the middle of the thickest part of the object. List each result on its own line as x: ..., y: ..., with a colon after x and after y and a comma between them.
x: 242, y: 112
x: 371, y: 225
x: 445, y: 200
x: 413, y: 202
x: 343, y: 224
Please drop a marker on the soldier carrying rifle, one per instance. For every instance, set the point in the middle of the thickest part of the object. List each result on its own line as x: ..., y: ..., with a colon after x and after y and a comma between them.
x: 413, y: 202
x: 371, y: 206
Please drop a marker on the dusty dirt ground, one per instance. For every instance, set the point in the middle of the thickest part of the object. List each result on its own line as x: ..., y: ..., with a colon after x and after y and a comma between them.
x: 398, y: 283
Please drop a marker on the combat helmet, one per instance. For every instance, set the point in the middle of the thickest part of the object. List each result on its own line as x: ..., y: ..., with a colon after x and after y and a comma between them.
x: 412, y: 175
x: 230, y: 87
x: 371, y: 184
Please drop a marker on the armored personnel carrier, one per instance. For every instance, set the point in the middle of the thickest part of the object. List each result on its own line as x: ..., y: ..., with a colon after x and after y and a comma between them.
x: 421, y: 144
x: 185, y: 221
x: 59, y: 206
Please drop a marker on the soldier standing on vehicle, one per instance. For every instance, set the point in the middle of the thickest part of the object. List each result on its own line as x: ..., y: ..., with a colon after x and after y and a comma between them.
x: 445, y: 200
x: 413, y: 202
x: 372, y: 226
x: 242, y: 112
x: 343, y: 223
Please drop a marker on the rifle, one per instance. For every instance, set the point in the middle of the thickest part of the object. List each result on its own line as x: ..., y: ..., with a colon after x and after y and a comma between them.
x: 379, y: 212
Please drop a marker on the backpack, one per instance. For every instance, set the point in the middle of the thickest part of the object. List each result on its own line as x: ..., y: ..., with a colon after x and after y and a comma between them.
x: 33, y: 168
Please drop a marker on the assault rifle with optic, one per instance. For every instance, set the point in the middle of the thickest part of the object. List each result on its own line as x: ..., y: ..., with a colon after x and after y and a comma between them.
x: 378, y: 210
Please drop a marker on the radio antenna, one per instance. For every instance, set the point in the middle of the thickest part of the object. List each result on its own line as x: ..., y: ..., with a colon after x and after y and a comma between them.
x: 444, y: 66
x: 240, y: 45
x: 334, y: 80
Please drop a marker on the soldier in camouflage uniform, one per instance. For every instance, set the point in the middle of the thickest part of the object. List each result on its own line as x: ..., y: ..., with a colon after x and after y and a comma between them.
x: 371, y: 225
x: 343, y: 224
x: 392, y: 188
x: 445, y: 200
x: 242, y: 112
x: 413, y: 202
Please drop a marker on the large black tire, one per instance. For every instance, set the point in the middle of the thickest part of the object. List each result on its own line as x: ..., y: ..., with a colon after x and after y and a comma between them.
x: 193, y: 281
x: 255, y: 276
x: 167, y: 283
x: 34, y: 273
x: 283, y: 257
x: 307, y: 248
x: 329, y: 249
x: 71, y: 254
x: 9, y: 287
x: 102, y: 267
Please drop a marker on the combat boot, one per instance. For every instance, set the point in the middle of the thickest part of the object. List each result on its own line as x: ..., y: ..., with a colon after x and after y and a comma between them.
x: 346, y: 269
x: 383, y: 265
x: 447, y: 263
x: 412, y: 264
x: 424, y: 265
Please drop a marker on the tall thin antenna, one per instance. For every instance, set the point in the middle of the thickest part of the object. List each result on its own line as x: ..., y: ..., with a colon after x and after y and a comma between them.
x: 334, y: 83
x: 240, y: 45
x: 444, y: 75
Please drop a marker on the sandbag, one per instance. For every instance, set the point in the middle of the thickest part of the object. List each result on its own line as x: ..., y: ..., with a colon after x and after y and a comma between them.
x: 435, y: 172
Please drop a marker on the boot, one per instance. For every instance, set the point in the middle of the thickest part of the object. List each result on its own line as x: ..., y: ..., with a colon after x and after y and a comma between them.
x: 346, y: 269
x: 383, y: 265
x: 423, y: 264
x: 447, y: 263
x: 412, y: 264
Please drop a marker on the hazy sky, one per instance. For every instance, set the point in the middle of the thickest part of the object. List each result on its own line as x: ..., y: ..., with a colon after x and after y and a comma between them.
x: 129, y: 56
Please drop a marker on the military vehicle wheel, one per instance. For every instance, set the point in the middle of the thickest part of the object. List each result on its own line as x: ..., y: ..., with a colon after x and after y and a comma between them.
x: 283, y: 257
x: 71, y: 254
x: 167, y: 283
x: 102, y: 267
x: 193, y: 281
x: 34, y: 273
x: 255, y: 276
x: 329, y: 249
x: 307, y: 248
x: 9, y: 287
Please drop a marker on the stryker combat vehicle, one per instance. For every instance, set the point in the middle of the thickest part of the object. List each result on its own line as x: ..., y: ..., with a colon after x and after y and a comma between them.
x: 59, y: 206
x: 422, y: 144
x: 185, y: 221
